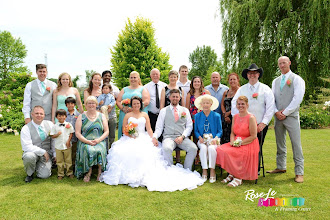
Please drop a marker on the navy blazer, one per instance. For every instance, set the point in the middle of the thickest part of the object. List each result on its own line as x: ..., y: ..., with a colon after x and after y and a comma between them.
x: 214, y: 119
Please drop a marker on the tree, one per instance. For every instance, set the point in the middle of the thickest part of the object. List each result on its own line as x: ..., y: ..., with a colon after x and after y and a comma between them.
x: 12, y: 53
x: 262, y: 31
x: 136, y: 49
x: 88, y: 75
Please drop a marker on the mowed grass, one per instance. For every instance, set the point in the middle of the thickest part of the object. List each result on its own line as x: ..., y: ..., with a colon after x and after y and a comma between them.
x: 74, y: 199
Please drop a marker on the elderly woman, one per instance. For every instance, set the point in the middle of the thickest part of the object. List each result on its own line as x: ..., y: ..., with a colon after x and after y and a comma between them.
x: 135, y: 88
x: 233, y: 80
x: 207, y: 122
x: 94, y: 86
x: 64, y: 90
x: 240, y: 156
x: 91, y: 130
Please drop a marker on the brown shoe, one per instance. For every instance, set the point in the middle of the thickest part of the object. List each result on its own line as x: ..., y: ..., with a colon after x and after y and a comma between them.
x: 71, y: 176
x: 60, y: 177
x: 299, y: 179
x: 276, y: 171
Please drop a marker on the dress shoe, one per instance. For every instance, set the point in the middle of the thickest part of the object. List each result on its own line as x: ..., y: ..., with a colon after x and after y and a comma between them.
x: 276, y: 171
x: 299, y: 179
x: 28, y: 179
x: 213, y: 179
x: 71, y: 176
x: 60, y: 177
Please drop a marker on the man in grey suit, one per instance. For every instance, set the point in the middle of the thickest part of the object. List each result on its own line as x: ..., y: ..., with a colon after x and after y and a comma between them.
x: 174, y: 122
x: 36, y: 145
x: 39, y: 92
x: 289, y: 90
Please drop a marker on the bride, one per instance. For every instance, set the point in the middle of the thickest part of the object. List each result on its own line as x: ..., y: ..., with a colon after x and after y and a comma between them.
x: 135, y: 161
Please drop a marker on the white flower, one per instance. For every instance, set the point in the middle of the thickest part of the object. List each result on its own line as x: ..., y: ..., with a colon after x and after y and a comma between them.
x: 4, y: 127
x: 9, y: 106
x: 327, y: 104
x: 9, y: 130
x: 16, y: 133
x: 0, y: 115
x: 1, y: 129
x: 8, y: 110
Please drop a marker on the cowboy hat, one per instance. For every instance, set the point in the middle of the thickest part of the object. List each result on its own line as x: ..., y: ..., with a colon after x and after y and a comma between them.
x: 198, y: 102
x: 253, y: 67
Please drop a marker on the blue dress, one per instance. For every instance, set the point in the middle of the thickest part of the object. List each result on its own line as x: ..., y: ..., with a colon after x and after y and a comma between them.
x: 128, y: 94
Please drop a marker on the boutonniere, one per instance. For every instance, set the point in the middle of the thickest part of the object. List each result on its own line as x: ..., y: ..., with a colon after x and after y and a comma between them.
x: 255, y: 95
x: 183, y: 115
x: 48, y: 89
x: 67, y: 126
x: 288, y: 82
x: 75, y: 117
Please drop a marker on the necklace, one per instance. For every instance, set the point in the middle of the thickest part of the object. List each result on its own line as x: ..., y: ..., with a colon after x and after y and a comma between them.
x: 91, y: 117
x: 206, y: 126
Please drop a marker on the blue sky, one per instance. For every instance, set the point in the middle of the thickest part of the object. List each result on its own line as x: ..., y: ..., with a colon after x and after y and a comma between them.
x: 77, y: 35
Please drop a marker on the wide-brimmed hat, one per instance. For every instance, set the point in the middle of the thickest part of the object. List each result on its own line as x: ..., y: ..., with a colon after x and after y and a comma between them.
x: 198, y: 102
x: 253, y: 67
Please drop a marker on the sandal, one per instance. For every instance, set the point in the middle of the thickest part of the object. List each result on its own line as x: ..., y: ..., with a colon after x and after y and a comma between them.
x: 228, y: 179
x: 236, y: 182
x: 87, y: 178
x: 98, y: 178
x: 212, y: 179
x: 204, y: 177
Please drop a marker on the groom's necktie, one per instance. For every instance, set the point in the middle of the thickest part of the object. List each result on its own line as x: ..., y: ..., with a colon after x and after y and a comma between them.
x: 43, y: 87
x: 176, y: 115
x: 282, y: 82
x: 42, y: 133
x: 157, y: 96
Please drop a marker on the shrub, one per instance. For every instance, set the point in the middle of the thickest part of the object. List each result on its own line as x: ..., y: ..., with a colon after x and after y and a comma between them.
x: 315, y: 116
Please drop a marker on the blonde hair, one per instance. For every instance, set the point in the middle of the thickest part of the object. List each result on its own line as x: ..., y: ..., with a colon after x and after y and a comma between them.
x: 243, y: 98
x: 138, y: 74
x: 91, y: 99
x: 59, y: 84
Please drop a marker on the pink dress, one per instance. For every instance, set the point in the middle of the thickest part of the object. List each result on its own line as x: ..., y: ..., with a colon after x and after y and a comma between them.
x: 241, y: 162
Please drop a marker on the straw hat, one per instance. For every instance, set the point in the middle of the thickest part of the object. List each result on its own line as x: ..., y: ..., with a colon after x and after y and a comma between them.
x: 198, y: 102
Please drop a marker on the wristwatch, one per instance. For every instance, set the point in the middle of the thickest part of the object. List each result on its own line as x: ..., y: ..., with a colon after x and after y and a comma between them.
x: 183, y: 137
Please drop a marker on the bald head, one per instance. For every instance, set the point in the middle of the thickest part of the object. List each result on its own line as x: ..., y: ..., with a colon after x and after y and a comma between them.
x: 284, y: 64
x: 155, y: 75
x: 215, y: 79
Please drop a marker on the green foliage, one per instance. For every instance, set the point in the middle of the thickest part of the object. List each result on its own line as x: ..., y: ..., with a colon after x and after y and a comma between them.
x: 12, y: 53
x: 262, y: 31
x: 315, y: 116
x: 202, y: 59
x: 11, y: 100
x: 75, y: 80
x: 88, y: 75
x: 136, y: 50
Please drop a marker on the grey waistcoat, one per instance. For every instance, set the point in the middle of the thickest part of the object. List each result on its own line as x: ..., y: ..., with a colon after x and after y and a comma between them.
x: 37, y: 98
x: 173, y: 129
x: 36, y: 140
x: 284, y: 97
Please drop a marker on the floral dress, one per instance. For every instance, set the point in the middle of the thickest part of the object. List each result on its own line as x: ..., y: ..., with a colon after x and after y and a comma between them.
x: 193, y: 109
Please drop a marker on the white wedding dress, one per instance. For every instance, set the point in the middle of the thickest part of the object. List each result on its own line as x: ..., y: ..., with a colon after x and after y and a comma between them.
x: 137, y: 162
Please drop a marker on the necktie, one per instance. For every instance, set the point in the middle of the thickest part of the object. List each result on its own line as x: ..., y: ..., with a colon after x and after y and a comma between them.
x: 43, y: 87
x: 176, y: 115
x: 157, y: 96
x: 62, y: 125
x: 42, y: 134
x: 252, y: 88
x: 282, y: 82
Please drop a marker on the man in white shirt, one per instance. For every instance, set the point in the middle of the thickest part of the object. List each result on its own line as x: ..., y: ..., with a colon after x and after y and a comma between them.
x: 217, y: 89
x: 39, y: 92
x: 261, y: 102
x: 38, y: 150
x: 183, y: 81
x: 154, y: 88
x: 174, y: 122
x: 289, y: 90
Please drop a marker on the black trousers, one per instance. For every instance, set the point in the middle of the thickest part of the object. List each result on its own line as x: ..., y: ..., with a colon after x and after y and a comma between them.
x: 153, y: 120
x: 261, y: 137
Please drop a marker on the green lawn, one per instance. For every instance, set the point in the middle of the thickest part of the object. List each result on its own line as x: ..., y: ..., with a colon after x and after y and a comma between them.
x: 73, y: 199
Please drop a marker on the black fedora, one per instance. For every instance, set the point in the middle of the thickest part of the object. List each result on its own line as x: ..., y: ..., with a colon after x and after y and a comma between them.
x: 253, y: 67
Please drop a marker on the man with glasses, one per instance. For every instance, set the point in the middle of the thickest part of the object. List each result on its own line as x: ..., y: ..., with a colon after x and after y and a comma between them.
x: 261, y: 101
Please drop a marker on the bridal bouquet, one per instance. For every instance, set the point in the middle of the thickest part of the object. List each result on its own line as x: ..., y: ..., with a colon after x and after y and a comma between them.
x: 126, y: 102
x: 237, y: 142
x: 207, y: 138
x: 131, y: 130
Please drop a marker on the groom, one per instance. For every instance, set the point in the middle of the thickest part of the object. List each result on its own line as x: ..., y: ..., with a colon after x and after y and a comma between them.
x: 175, y: 123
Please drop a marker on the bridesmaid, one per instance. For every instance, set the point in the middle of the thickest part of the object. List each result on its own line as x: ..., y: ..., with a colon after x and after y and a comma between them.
x: 134, y: 89
x: 94, y: 86
x: 64, y: 90
x: 228, y: 95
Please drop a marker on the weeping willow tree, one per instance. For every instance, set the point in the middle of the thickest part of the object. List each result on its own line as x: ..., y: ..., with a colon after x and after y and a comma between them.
x: 260, y: 31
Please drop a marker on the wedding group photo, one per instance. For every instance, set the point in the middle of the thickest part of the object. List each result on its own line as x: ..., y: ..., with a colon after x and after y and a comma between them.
x: 167, y: 129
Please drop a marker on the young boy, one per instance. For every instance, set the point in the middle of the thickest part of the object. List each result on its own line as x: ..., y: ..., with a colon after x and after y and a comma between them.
x: 71, y: 117
x: 62, y: 132
x: 106, y: 100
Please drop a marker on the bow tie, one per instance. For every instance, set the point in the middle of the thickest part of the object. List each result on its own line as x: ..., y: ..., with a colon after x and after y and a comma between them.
x: 62, y: 125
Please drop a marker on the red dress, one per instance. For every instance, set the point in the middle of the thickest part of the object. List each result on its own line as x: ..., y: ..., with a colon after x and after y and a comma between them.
x: 241, y: 162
